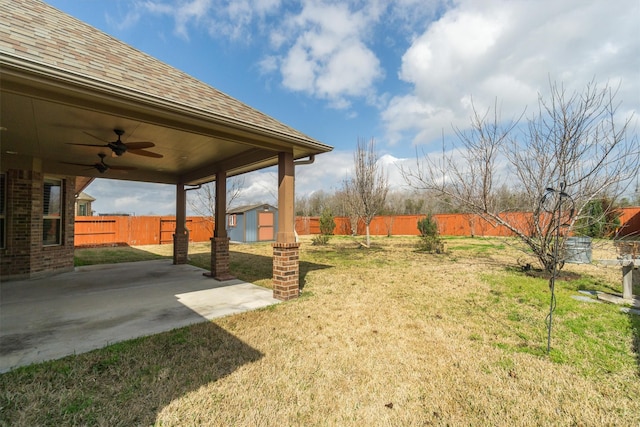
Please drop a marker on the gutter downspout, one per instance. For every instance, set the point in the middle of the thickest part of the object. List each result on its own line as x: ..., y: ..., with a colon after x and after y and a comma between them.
x: 309, y: 161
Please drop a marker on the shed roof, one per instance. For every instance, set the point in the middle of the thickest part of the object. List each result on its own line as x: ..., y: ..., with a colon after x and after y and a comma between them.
x: 247, y: 208
x: 67, y: 82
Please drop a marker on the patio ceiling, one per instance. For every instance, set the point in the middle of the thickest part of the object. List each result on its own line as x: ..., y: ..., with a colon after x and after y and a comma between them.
x: 63, y: 82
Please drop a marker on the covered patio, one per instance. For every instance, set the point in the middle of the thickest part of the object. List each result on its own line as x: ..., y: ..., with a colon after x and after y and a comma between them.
x: 94, y: 306
x: 78, y: 104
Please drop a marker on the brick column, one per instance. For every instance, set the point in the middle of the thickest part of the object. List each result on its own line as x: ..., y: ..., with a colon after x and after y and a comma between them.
x: 220, y: 259
x: 286, y: 271
x: 181, y: 247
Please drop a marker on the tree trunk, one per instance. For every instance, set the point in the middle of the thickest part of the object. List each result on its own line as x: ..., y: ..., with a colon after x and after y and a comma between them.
x: 368, y: 239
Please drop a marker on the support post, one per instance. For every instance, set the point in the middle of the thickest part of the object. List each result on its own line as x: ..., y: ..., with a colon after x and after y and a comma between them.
x: 181, y: 235
x: 220, y: 229
x: 220, y: 259
x: 627, y: 281
x: 220, y: 241
x: 286, y: 195
x: 286, y: 269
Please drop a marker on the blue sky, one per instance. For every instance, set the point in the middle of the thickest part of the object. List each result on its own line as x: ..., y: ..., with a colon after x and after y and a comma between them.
x: 402, y: 72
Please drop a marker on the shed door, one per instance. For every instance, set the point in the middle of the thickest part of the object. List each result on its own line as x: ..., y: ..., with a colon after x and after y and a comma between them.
x: 265, y: 226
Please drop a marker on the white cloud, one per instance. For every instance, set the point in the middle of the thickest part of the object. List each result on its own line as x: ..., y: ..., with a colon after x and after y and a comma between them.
x: 135, y: 198
x: 184, y: 13
x: 508, y: 51
x: 322, y: 48
x: 268, y: 64
x: 298, y: 71
x: 260, y: 187
x: 339, y: 79
x: 325, y: 51
x: 128, y: 20
x: 326, y: 173
x: 228, y: 18
x: 330, y: 170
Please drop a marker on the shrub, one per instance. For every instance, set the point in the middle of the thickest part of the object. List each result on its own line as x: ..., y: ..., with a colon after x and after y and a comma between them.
x: 327, y: 224
x: 599, y: 219
x: 320, y: 240
x: 429, y: 237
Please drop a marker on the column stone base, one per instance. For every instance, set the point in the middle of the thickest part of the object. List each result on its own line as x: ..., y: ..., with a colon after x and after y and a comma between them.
x: 286, y: 271
x: 181, y: 248
x: 220, y: 259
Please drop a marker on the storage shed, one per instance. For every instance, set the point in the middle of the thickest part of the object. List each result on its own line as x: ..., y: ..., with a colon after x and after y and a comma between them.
x: 254, y: 223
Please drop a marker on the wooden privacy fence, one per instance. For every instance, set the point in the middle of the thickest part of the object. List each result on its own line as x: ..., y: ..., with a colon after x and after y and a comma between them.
x: 407, y: 225
x: 153, y: 230
x: 450, y: 224
x: 136, y: 230
x: 630, y: 222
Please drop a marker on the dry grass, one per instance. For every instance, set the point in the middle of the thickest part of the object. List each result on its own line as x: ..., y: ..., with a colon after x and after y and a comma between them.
x: 386, y: 336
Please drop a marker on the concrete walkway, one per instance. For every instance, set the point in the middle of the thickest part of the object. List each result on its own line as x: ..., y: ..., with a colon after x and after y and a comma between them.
x: 93, y: 306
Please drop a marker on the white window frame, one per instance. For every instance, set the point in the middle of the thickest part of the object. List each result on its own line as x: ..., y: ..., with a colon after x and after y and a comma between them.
x: 232, y: 221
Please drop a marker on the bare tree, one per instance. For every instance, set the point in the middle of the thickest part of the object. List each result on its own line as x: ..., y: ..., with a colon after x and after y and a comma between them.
x: 574, y: 148
x: 367, y: 189
x: 203, y: 203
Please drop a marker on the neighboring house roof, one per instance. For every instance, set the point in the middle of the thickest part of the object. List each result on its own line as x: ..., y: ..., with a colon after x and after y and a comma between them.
x: 85, y: 197
x: 246, y: 208
x: 76, y: 80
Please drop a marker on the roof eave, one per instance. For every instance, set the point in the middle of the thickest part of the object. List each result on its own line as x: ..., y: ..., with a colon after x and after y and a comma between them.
x: 19, y: 66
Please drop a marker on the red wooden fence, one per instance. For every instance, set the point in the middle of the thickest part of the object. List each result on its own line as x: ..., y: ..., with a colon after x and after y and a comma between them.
x: 136, y: 230
x: 450, y: 224
x: 153, y: 230
x: 407, y: 225
x: 630, y: 222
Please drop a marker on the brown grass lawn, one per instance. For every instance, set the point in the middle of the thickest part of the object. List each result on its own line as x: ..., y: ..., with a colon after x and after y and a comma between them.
x: 385, y: 336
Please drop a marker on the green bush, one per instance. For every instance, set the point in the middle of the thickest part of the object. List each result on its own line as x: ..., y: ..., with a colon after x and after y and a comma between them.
x: 429, y: 236
x: 599, y: 219
x: 327, y: 224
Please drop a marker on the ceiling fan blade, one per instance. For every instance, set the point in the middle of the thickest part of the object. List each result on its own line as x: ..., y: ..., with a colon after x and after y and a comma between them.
x: 139, y: 145
x: 146, y: 153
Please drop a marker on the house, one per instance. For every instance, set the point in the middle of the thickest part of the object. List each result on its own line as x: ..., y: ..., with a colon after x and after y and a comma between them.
x: 83, y: 204
x: 253, y: 223
x: 77, y: 104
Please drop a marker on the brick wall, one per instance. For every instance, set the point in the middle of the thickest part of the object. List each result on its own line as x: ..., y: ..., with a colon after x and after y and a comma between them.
x: 16, y: 257
x: 24, y: 255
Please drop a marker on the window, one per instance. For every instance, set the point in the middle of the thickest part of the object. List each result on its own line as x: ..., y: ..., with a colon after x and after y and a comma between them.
x: 232, y: 220
x: 3, y: 204
x: 82, y: 209
x: 52, y: 212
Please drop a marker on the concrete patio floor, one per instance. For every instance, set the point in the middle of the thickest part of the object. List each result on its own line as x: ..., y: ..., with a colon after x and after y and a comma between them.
x: 93, y: 306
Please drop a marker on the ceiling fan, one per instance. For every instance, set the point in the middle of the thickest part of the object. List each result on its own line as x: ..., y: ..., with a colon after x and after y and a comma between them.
x: 119, y: 148
x: 101, y: 166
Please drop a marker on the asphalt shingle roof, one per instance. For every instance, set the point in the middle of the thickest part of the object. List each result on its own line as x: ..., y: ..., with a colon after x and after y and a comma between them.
x: 246, y: 208
x: 38, y: 33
